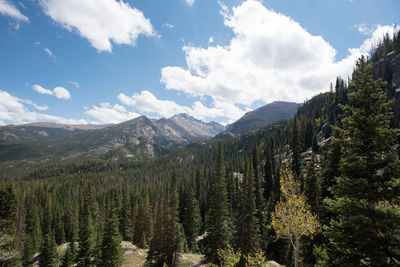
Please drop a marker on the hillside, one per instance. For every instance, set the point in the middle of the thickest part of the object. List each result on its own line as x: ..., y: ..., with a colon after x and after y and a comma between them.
x: 137, y: 139
x: 43, y: 131
x: 269, y: 113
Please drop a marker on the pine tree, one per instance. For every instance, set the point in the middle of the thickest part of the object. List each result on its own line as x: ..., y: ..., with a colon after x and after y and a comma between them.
x: 192, y: 222
x: 296, y: 162
x: 275, y: 249
x: 259, y: 198
x: 48, y: 252
x: 174, y: 224
x: 32, y: 222
x: 163, y: 245
x: 268, y: 170
x: 312, y: 195
x: 125, y: 218
x: 364, y: 230
x: 315, y: 146
x: 9, y: 253
x: 311, y: 190
x: 111, y: 251
x: 329, y: 172
x: 70, y: 255
x: 142, y: 224
x: 218, y: 221
x: 86, y: 234
x: 247, y: 228
x: 27, y: 257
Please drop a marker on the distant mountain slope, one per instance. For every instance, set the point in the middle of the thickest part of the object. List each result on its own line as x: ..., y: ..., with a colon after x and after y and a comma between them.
x: 42, y: 131
x: 135, y: 139
x: 275, y: 111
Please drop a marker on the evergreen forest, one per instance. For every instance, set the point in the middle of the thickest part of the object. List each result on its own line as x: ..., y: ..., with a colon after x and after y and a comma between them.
x: 320, y: 189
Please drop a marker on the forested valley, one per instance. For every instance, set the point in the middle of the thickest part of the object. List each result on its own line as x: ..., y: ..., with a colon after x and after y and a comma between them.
x: 320, y: 189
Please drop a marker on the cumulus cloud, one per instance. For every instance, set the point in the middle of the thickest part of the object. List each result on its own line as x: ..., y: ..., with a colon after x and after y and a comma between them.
x: 59, y: 92
x: 106, y: 113
x: 146, y: 102
x: 100, y: 21
x: 14, y: 110
x: 271, y: 57
x: 8, y: 9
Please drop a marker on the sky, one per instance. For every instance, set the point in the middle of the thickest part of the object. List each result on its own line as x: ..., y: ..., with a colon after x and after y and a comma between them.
x: 108, y: 61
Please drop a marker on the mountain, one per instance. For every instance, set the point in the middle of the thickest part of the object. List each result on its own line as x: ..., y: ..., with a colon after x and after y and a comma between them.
x: 131, y: 140
x: 275, y: 111
x: 42, y: 131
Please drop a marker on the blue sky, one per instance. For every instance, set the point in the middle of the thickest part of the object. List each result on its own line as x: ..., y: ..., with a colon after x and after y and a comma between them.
x: 106, y: 61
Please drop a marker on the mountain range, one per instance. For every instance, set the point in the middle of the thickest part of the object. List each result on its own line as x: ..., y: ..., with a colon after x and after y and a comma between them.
x: 136, y: 139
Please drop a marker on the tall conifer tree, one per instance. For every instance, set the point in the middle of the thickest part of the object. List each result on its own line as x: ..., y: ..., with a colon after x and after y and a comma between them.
x: 192, y: 222
x: 86, y: 234
x: 8, y: 233
x: 218, y: 220
x: 365, y: 228
x: 111, y: 251
x: 247, y: 228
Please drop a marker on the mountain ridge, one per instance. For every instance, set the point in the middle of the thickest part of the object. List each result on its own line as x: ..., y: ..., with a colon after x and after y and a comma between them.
x: 269, y: 113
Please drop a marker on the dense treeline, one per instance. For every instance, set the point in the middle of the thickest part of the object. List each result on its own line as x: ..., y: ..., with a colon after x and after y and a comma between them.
x: 335, y: 162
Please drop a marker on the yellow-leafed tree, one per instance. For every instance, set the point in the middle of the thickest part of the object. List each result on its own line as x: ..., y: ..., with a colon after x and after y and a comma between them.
x: 292, y: 217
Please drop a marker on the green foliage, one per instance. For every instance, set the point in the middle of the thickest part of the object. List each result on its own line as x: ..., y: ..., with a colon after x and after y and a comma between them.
x: 365, y: 225
x: 163, y: 245
x: 256, y: 259
x: 142, y: 226
x: 247, y: 227
x: 292, y: 217
x: 8, y: 233
x: 227, y: 257
x: 296, y: 162
x: 48, y: 252
x: 218, y: 220
x: 86, y: 233
x: 27, y: 257
x: 69, y: 257
x: 111, y: 251
x: 192, y: 222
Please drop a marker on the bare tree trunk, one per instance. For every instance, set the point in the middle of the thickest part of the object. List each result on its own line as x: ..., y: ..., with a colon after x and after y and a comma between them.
x: 296, y: 251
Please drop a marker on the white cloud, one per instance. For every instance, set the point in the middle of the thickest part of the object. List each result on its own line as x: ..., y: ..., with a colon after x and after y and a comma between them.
x: 100, y: 21
x: 168, y: 25
x: 364, y: 29
x: 48, y: 51
x: 271, y: 57
x: 8, y: 9
x: 211, y: 40
x: 30, y: 102
x: 146, y: 102
x: 42, y: 90
x: 59, y: 92
x: 110, y: 114
x: 189, y: 2
x: 13, y: 110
